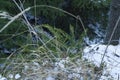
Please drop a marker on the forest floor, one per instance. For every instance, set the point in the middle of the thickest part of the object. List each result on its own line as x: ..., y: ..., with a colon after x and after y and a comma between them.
x: 111, y: 59
x: 74, y: 69
x: 66, y: 68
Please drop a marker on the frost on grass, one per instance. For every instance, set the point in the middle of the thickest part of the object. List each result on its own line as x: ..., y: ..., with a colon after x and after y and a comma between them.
x: 61, y: 69
x: 87, y: 68
x: 94, y: 53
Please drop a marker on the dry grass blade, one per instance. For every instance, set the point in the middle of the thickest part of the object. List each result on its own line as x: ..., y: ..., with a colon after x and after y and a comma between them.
x: 14, y: 18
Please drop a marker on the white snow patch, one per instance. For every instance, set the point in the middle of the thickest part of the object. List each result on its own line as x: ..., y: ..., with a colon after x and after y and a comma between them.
x: 62, y: 63
x: 50, y: 78
x: 17, y: 76
x: 3, y: 78
x: 95, y: 53
x: 11, y: 76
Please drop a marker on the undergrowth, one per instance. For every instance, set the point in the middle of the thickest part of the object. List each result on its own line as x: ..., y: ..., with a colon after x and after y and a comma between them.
x: 46, y: 53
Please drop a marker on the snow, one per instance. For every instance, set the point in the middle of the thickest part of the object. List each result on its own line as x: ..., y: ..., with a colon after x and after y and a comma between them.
x: 50, y: 78
x: 2, y: 78
x: 17, y: 76
x: 95, y: 52
x: 62, y: 63
x: 10, y: 76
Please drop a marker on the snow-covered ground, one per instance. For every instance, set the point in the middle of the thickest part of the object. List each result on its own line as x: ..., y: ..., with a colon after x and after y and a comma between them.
x: 95, y: 53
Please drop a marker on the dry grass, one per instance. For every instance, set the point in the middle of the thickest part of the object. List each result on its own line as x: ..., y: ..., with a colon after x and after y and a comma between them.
x: 49, y: 56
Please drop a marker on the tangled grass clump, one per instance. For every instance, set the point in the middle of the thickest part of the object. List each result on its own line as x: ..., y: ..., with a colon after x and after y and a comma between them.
x: 40, y: 54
